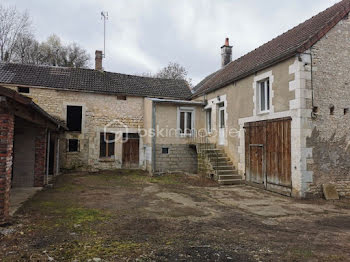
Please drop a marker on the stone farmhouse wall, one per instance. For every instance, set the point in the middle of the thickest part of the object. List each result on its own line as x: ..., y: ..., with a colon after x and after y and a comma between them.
x: 330, y: 138
x: 98, y: 111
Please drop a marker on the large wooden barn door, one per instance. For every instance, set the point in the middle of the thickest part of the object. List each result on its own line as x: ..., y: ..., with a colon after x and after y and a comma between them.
x: 268, y: 154
x: 131, y: 144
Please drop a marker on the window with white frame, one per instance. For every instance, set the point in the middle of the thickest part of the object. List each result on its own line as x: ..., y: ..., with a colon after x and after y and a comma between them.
x: 264, y: 95
x: 208, y: 120
x: 186, y: 121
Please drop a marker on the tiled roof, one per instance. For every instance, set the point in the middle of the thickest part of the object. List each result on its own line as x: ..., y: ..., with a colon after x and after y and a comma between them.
x: 78, y: 79
x: 296, y: 40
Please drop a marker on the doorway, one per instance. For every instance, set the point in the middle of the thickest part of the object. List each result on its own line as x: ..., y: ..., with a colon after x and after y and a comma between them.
x: 131, y: 150
x: 222, y: 124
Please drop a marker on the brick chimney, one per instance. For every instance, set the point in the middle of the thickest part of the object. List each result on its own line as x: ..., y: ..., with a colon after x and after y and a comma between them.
x: 98, y: 60
x: 226, y: 53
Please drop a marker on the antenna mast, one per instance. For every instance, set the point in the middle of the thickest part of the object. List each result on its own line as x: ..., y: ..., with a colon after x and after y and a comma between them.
x: 104, y: 16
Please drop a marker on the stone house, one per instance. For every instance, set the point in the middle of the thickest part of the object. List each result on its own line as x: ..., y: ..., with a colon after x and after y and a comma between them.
x: 281, y: 112
x: 101, y: 109
x: 275, y: 118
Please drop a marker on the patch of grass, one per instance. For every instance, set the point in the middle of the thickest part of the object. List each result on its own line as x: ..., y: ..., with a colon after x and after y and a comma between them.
x: 166, y: 180
x: 66, y: 214
x: 85, y: 250
x: 299, y: 253
x: 69, y: 188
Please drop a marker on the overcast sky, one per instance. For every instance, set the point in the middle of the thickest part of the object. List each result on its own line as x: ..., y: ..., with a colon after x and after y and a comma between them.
x: 144, y: 35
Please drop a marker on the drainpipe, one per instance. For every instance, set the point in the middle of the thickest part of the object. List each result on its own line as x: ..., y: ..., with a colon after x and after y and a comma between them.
x: 48, y: 157
x: 154, y: 137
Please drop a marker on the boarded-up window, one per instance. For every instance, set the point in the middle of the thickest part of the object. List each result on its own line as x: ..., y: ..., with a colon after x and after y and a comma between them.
x: 107, y: 144
x: 74, y: 118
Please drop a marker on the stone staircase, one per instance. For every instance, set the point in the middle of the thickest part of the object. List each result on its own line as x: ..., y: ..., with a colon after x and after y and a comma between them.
x: 219, y: 166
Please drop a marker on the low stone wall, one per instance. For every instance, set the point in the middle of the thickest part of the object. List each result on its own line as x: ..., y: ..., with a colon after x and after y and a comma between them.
x: 180, y: 158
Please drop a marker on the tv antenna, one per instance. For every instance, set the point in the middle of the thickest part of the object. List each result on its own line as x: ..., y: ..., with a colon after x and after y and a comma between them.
x: 104, y: 16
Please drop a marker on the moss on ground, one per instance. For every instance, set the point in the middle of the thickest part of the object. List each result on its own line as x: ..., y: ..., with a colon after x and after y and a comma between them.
x: 99, y: 248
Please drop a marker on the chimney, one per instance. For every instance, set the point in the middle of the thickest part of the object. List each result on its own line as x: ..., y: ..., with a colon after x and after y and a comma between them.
x: 226, y: 53
x: 98, y: 60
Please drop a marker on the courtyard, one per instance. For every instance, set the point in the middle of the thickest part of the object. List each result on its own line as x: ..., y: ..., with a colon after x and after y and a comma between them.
x: 126, y: 215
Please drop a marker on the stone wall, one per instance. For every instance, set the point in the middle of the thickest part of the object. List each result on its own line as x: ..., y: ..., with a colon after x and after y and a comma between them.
x: 99, y: 111
x: 330, y: 138
x: 6, y: 154
x: 180, y: 158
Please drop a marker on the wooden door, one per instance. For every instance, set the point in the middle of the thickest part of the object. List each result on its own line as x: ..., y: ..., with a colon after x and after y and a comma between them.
x: 131, y: 152
x: 256, y: 164
x: 268, y: 154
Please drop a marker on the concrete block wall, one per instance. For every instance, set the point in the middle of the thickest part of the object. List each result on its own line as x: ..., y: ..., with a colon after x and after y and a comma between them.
x: 181, y: 158
x: 6, y: 158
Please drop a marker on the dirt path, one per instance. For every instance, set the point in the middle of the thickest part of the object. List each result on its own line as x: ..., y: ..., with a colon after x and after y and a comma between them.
x: 128, y: 216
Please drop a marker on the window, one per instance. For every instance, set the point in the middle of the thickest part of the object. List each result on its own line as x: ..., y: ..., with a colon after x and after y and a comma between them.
x: 24, y: 90
x: 346, y: 111
x: 107, y: 144
x: 165, y: 150
x: 208, y: 118
x: 264, y: 95
x: 73, y: 145
x: 222, y: 116
x: 74, y: 116
x: 331, y: 110
x: 121, y: 97
x: 186, y: 121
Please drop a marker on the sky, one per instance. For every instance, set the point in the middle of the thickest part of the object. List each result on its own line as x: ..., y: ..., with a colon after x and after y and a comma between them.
x: 145, y: 35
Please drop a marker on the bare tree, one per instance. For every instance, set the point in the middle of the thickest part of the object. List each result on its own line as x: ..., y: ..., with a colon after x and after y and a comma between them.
x: 53, y: 52
x: 171, y: 71
x: 26, y: 50
x: 12, y: 25
x: 75, y: 56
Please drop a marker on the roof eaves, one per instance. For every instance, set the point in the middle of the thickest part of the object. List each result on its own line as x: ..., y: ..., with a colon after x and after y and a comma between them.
x: 320, y: 34
x: 253, y: 71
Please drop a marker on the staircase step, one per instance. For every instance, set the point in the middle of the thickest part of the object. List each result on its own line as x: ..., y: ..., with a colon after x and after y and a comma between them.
x: 224, y: 172
x: 228, y: 177
x: 231, y: 182
x: 224, y: 168
x: 221, y: 158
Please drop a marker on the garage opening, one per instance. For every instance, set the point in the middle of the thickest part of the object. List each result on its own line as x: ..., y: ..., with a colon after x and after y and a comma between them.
x: 23, y: 154
x: 268, y: 155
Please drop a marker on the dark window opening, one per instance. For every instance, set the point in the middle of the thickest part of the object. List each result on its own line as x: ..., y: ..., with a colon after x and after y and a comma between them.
x: 24, y: 90
x: 107, y: 142
x: 165, y: 150
x: 121, y: 97
x: 315, y: 109
x: 73, y: 145
x: 74, y: 118
x: 331, y: 110
x: 346, y: 111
